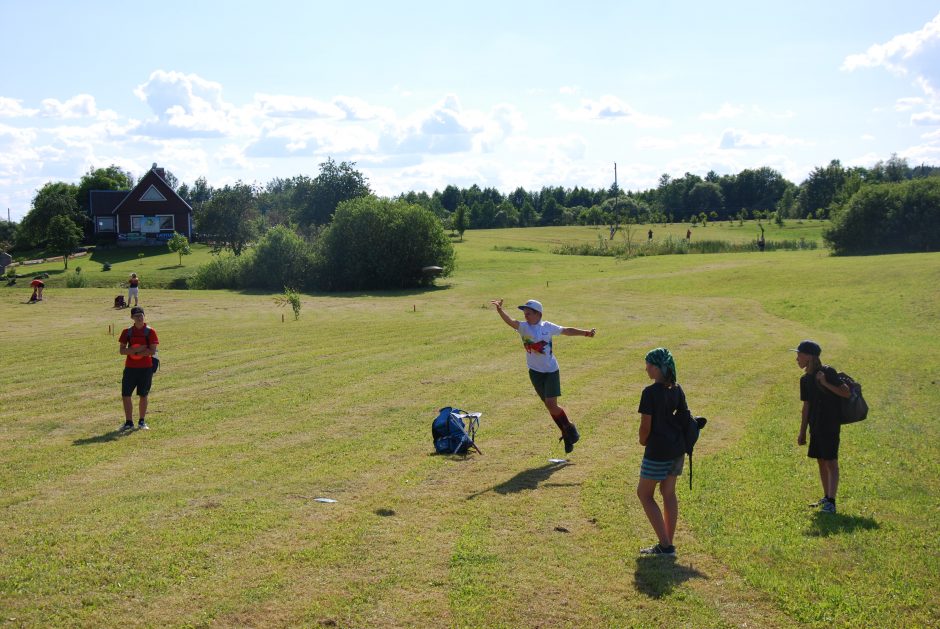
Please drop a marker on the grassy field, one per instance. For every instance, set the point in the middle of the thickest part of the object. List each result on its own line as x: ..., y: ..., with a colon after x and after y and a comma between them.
x: 208, y: 519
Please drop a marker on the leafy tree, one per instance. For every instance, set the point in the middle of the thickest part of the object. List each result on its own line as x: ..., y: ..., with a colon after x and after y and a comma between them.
x: 179, y: 245
x: 63, y: 236
x: 450, y: 198
x: 281, y: 258
x: 706, y: 196
x: 335, y: 183
x: 888, y: 217
x: 53, y: 199
x: 381, y: 244
x: 111, y: 178
x: 821, y: 188
x: 7, y: 235
x: 461, y: 220
x: 551, y: 211
x: 230, y: 218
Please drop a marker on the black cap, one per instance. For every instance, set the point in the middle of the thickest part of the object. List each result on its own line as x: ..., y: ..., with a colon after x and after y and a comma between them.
x: 809, y: 347
x: 136, y: 310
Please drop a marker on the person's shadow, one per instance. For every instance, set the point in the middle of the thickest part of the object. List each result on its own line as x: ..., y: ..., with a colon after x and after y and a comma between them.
x: 106, y: 437
x: 826, y: 524
x: 527, y: 479
x: 658, y: 575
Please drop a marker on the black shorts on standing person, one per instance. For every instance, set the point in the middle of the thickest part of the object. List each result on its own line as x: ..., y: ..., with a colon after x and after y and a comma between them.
x: 821, y: 391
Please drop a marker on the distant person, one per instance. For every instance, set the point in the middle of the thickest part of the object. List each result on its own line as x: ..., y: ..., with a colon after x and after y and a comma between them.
x: 543, y: 367
x: 649, y: 236
x: 38, y: 285
x: 688, y: 235
x: 133, y: 285
x: 139, y: 344
x: 761, y: 243
x: 664, y: 455
x: 821, y: 392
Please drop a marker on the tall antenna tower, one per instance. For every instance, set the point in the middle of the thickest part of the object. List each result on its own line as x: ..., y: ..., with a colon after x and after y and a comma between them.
x: 615, y: 176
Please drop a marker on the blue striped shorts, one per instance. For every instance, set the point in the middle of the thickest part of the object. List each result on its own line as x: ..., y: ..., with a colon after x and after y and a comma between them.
x: 659, y: 470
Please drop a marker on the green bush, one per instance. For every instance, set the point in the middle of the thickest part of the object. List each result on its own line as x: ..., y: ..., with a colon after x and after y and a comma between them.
x: 888, y: 217
x: 76, y: 279
x: 225, y: 271
x: 281, y: 258
x: 381, y: 244
x: 672, y: 245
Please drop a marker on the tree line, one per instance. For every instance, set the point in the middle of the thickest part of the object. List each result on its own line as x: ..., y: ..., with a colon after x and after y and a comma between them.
x: 234, y: 216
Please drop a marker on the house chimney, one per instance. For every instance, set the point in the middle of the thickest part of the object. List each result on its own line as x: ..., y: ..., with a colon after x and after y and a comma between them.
x: 161, y: 173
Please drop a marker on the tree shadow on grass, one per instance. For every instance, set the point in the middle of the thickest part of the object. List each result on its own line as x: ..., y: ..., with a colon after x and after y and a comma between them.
x: 106, y: 437
x: 828, y: 524
x: 658, y: 576
x: 527, y: 479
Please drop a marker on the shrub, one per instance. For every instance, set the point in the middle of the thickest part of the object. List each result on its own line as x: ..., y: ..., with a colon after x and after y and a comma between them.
x: 381, y: 244
x: 225, y: 271
x: 281, y: 258
x: 76, y: 279
x: 885, y: 217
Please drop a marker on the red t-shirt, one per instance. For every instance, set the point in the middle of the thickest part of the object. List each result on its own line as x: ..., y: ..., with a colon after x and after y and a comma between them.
x: 138, y: 338
x: 134, y: 281
x: 36, y: 282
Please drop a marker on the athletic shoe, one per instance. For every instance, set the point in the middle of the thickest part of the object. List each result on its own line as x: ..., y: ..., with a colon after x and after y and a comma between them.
x: 128, y: 425
x: 571, y: 437
x: 818, y: 503
x: 659, y: 549
x: 142, y: 425
x: 828, y: 507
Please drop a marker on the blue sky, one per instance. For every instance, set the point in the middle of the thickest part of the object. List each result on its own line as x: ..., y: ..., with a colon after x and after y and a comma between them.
x: 501, y: 94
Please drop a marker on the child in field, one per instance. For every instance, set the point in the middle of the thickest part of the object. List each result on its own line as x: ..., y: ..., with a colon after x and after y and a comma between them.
x: 821, y: 391
x: 38, y: 286
x: 665, y: 453
x: 132, y: 288
x: 543, y: 367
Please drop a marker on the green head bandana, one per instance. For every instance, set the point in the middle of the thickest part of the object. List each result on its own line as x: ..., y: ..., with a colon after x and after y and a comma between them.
x: 660, y: 357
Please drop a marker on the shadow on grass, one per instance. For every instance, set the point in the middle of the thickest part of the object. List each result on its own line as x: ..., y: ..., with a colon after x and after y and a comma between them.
x: 827, y: 524
x: 657, y: 577
x: 106, y: 437
x: 528, y: 479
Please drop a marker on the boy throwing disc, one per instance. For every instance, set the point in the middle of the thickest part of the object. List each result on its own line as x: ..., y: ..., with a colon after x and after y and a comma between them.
x: 543, y: 367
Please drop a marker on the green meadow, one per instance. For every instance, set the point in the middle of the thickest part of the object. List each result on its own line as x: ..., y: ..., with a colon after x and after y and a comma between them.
x: 209, y: 519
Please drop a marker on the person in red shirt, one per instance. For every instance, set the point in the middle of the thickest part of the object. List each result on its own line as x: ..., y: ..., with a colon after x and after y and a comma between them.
x: 139, y: 344
x: 37, y: 285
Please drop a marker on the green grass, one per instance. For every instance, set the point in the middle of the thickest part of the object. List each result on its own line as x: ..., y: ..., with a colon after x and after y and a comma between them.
x: 209, y: 518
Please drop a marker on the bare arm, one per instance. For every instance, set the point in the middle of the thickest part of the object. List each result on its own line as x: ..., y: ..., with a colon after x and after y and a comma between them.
x: 578, y: 332
x: 502, y: 313
x: 646, y: 425
x: 801, y: 439
x: 842, y: 390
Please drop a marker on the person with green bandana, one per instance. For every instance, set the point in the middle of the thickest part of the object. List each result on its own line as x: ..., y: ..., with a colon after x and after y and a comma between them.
x: 665, y: 453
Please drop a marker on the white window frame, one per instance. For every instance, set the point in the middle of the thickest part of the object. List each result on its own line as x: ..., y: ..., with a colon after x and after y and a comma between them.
x: 102, y: 230
x: 137, y: 217
x: 172, y: 227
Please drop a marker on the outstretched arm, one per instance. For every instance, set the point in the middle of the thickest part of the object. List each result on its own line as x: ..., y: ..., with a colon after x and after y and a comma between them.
x: 502, y: 313
x: 578, y: 332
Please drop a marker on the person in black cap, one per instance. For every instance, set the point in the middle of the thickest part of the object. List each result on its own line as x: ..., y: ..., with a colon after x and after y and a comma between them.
x: 543, y: 367
x: 139, y: 343
x: 821, y: 391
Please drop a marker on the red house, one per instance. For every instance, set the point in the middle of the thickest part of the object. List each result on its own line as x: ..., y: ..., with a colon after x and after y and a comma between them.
x: 146, y: 215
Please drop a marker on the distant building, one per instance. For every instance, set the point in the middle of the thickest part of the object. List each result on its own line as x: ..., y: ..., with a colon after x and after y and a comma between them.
x: 146, y: 215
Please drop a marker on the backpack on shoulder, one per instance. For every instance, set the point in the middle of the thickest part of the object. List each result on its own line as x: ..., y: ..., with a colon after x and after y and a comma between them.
x: 689, y: 427
x: 154, y: 360
x: 854, y: 408
x: 451, y: 435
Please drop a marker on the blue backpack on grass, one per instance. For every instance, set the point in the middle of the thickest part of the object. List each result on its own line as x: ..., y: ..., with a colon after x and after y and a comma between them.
x: 451, y: 435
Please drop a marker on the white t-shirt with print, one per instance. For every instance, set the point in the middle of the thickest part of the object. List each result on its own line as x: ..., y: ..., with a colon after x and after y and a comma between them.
x: 537, y: 340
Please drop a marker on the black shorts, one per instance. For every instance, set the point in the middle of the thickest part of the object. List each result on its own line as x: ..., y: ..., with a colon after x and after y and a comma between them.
x: 139, y: 378
x: 823, y: 443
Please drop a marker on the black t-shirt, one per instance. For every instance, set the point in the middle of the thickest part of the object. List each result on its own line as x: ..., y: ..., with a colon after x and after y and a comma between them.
x: 665, y: 440
x: 824, y: 405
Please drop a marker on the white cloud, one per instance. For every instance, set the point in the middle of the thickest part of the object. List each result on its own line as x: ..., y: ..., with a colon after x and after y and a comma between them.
x: 925, y: 118
x: 358, y: 109
x: 278, y: 106
x: 186, y: 105
x: 569, y: 89
x: 737, y: 139
x: 81, y: 106
x: 609, y: 108
x: 11, y: 108
x: 727, y: 110
x: 446, y: 128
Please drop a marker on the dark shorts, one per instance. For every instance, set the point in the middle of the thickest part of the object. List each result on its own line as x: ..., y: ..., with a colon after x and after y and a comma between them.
x: 659, y: 470
x: 546, y: 384
x: 823, y: 444
x: 136, y: 378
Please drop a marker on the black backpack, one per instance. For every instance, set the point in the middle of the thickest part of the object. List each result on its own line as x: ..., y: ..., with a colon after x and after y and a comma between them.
x: 154, y: 359
x: 854, y: 408
x: 689, y: 427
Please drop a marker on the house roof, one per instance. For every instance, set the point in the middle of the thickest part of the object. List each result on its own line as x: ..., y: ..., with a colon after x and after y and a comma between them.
x: 152, y: 179
x: 103, y: 202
